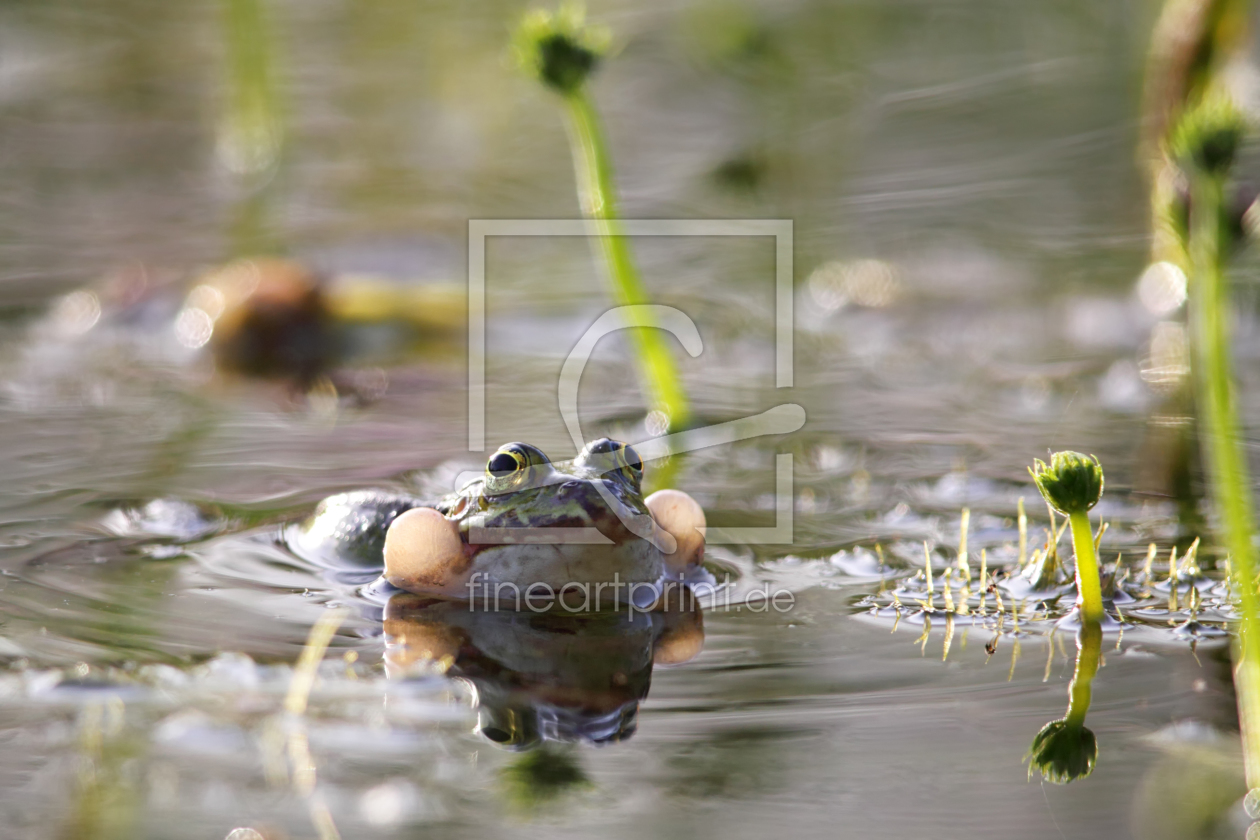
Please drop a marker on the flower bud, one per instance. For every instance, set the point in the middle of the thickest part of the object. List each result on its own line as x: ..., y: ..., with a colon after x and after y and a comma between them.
x: 559, y: 48
x: 1209, y: 135
x: 1072, y: 483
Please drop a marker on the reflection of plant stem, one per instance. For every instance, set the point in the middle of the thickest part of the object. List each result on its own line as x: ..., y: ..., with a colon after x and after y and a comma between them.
x: 106, y: 800
x: 1209, y: 312
x: 1065, y: 750
x: 1087, y: 579
x: 599, y: 203
x: 1088, y: 656
x: 301, y: 761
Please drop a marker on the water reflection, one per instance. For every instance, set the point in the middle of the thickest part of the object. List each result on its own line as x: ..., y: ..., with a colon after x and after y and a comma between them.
x: 105, y: 787
x: 917, y: 146
x: 542, y: 677
x: 542, y: 776
x: 1065, y: 749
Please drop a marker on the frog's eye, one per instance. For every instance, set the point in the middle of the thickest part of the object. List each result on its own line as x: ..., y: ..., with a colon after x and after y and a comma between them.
x: 601, y: 451
x: 511, y: 466
x: 503, y: 464
x: 609, y: 456
x: 632, y: 459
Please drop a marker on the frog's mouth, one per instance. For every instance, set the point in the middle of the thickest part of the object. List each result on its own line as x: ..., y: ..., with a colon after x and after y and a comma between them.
x: 579, y: 532
x: 574, y: 512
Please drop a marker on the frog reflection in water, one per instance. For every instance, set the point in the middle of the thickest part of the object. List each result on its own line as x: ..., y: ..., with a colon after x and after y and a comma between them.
x: 542, y: 677
x: 583, y: 525
x: 468, y: 563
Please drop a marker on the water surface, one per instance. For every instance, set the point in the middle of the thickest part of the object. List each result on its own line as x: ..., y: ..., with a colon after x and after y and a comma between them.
x: 978, y: 155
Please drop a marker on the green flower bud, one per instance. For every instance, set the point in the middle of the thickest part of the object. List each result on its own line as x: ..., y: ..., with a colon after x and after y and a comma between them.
x: 1208, y: 136
x: 1073, y: 483
x: 1063, y: 752
x: 559, y: 48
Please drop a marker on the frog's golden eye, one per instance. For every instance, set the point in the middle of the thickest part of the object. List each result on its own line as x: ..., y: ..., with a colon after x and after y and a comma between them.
x: 503, y: 464
x: 511, y: 467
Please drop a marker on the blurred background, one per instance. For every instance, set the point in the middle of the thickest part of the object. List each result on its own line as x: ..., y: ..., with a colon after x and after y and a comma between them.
x: 971, y: 249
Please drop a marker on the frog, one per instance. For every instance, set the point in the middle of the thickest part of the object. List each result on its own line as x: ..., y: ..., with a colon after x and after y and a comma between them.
x: 568, y: 532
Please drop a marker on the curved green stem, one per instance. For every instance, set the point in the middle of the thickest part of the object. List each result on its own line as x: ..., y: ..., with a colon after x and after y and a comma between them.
x: 1222, y: 442
x: 1088, y: 586
x: 593, y: 163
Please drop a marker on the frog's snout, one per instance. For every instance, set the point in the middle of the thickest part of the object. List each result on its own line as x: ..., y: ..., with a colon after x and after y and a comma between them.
x: 682, y: 518
x: 423, y: 549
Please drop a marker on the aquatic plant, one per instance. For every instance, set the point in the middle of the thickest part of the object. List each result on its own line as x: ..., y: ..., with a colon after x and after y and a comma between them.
x: 1072, y: 484
x: 561, y: 51
x: 1044, y: 571
x: 1193, y: 43
x: 1065, y: 749
x: 1205, y: 143
x: 251, y: 125
x: 1194, y: 132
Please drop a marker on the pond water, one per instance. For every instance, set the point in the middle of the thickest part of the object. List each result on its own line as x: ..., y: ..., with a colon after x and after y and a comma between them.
x: 969, y: 228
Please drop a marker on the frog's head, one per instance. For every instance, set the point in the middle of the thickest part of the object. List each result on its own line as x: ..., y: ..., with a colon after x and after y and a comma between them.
x: 523, y: 490
x: 528, y: 520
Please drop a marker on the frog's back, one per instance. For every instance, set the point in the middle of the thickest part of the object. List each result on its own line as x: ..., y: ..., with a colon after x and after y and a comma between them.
x: 348, y: 530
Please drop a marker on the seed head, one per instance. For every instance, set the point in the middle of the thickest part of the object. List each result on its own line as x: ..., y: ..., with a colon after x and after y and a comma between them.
x: 1072, y: 483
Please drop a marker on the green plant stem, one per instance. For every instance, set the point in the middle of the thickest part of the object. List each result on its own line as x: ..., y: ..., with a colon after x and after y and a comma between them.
x: 593, y: 163
x: 252, y: 107
x: 1220, y: 430
x: 1088, y: 656
x: 1088, y: 585
x: 251, y: 125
